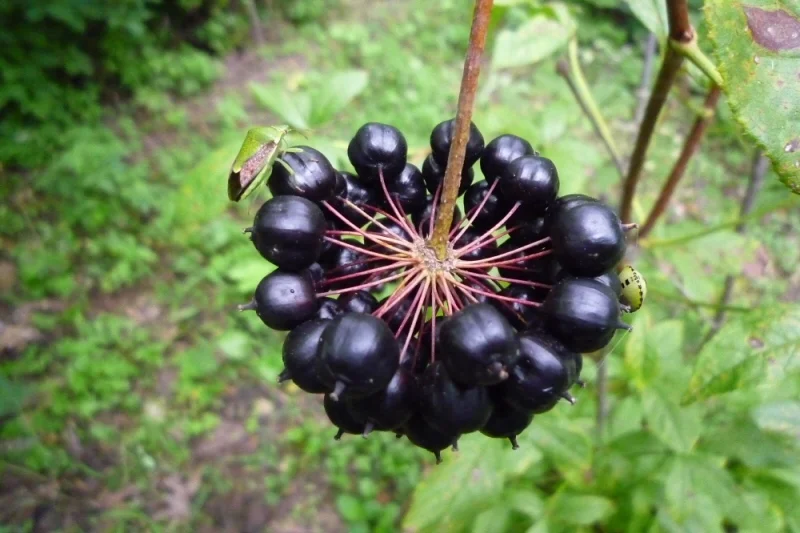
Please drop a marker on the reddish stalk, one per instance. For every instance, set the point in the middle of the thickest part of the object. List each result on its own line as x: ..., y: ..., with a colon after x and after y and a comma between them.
x: 474, y: 214
x: 362, y: 286
x: 368, y: 252
x: 411, y: 281
x: 401, y: 220
x: 417, y: 312
x: 501, y: 278
x: 466, y: 100
x: 415, y: 303
x: 488, y: 236
x: 498, y: 297
x: 344, y: 233
x: 371, y: 271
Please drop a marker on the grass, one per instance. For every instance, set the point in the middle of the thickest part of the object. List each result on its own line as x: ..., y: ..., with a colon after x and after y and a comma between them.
x: 145, y: 380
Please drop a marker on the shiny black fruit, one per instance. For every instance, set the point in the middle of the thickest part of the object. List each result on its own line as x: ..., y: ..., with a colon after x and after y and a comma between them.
x: 395, y: 316
x: 375, y: 149
x: 328, y: 309
x: 588, y: 239
x: 507, y: 423
x: 527, y: 230
x: 493, y: 209
x: 361, y: 195
x: 442, y: 138
x: 433, y: 173
x: 408, y: 189
x: 451, y: 408
x: 300, y: 356
x: 610, y: 279
x: 544, y: 372
x: 359, y: 355
x: 423, y: 435
x: 284, y: 300
x: 386, y: 228
x: 477, y: 345
x: 358, y: 302
x: 531, y: 180
x: 582, y: 313
x: 312, y: 176
x: 288, y: 232
x: 343, y: 417
x: 390, y: 408
x: 500, y: 152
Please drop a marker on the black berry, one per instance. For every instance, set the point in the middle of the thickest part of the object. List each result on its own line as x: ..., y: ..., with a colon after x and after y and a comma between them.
x: 284, y: 300
x: 500, y: 152
x: 288, y: 231
x: 312, y: 176
x: 377, y: 149
x: 588, y: 239
x: 300, y: 356
x: 442, y: 138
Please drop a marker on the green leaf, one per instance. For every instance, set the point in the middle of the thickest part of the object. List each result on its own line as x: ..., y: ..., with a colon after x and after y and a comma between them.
x: 723, y: 365
x: 677, y: 427
x: 292, y: 108
x: 235, y: 345
x: 567, y: 447
x: 335, y: 95
x: 743, y: 440
x: 652, y: 14
x: 780, y: 417
x: 759, y: 349
x: 350, y: 508
x: 12, y: 396
x: 541, y: 36
x: 466, y: 483
x: 581, y: 510
x: 526, y: 502
x: 492, y: 520
x: 757, y: 47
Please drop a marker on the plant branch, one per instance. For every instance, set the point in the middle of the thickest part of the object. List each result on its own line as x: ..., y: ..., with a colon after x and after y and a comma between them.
x: 760, y: 166
x: 691, y: 51
x: 689, y: 149
x: 571, y: 72
x: 647, y: 73
x: 681, y: 31
x: 602, y: 400
x: 666, y: 77
x: 466, y: 99
x: 680, y: 27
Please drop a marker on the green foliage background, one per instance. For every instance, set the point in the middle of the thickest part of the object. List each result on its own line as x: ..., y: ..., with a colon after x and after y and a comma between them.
x: 122, y: 260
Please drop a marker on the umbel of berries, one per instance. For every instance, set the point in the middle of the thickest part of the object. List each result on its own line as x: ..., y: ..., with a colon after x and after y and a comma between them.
x: 431, y: 332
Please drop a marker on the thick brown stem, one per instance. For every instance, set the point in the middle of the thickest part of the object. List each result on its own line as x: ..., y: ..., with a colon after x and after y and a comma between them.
x: 680, y: 31
x: 678, y: 171
x: 466, y: 99
x: 666, y: 77
x: 680, y: 27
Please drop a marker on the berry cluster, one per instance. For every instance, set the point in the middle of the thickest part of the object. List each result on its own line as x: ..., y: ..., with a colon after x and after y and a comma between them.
x: 480, y: 338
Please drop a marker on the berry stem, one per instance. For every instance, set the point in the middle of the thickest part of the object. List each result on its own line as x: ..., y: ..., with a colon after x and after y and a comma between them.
x: 412, y: 279
x: 393, y: 266
x: 469, y: 274
x: 488, y: 236
x: 400, y: 218
x: 498, y: 297
x: 367, y: 252
x: 466, y: 100
x: 363, y: 285
x: 365, y: 234
x: 369, y: 235
x: 473, y: 214
x: 420, y: 309
x: 416, y: 304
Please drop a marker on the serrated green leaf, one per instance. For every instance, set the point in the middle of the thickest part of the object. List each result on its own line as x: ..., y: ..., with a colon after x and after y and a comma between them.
x: 538, y: 38
x: 626, y: 416
x: 577, y: 509
x: 677, y: 427
x: 757, y: 47
x: 637, y: 443
x: 652, y: 14
x: 742, y: 440
x: 466, y: 483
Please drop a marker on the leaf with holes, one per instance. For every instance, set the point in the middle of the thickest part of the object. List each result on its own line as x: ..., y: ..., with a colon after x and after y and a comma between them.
x: 757, y: 46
